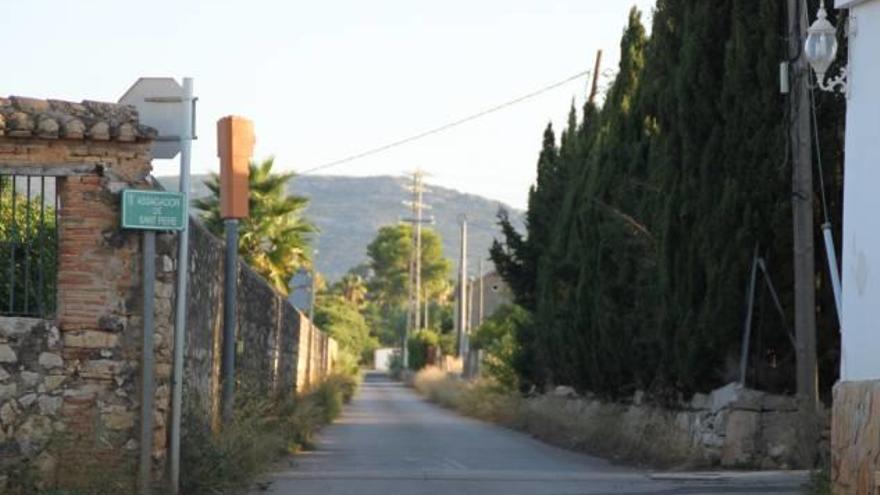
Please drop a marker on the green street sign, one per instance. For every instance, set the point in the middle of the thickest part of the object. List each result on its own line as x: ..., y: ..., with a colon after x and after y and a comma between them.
x: 153, y: 210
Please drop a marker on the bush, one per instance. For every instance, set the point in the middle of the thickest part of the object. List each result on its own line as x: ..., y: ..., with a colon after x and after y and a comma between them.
x: 418, y: 346
x: 497, y: 338
x: 261, y: 432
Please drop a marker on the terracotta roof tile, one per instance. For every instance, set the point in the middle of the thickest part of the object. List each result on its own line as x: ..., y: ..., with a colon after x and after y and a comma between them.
x: 22, y: 117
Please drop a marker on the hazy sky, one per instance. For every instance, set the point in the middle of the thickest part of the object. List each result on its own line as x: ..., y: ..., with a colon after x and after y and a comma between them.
x: 326, y: 79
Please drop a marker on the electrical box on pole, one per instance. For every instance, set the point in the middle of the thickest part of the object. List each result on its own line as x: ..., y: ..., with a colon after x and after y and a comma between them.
x: 235, y: 145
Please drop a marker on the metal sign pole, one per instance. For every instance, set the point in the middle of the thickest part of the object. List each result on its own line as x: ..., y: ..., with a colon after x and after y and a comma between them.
x: 230, y: 285
x: 182, y: 272
x: 148, y: 383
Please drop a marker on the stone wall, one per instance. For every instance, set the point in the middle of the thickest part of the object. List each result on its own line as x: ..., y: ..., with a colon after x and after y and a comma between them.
x: 732, y: 427
x: 278, y: 350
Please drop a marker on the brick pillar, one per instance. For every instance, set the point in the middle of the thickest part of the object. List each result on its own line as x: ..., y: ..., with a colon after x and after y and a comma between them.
x: 855, y: 438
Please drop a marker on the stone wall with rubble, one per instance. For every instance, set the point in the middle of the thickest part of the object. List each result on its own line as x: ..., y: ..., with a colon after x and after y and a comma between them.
x: 74, y: 375
x: 278, y: 350
x: 731, y: 427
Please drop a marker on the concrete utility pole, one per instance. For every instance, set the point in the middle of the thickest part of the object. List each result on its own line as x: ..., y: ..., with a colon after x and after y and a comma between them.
x: 463, y: 292
x: 802, y: 208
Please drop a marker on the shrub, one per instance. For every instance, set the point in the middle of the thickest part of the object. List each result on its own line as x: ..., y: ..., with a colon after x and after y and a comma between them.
x: 261, y: 432
x: 418, y: 346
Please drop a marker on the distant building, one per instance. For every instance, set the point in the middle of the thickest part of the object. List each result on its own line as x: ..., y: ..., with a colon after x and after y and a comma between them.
x: 496, y: 293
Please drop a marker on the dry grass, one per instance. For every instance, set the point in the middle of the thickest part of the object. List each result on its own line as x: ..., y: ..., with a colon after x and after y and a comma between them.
x: 637, y: 435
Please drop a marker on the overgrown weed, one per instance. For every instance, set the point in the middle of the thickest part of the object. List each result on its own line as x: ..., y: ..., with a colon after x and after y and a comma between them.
x: 611, y: 430
x: 262, y: 432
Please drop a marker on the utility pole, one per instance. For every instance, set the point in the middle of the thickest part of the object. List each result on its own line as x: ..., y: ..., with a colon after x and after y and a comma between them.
x: 463, y: 292
x: 594, y: 88
x: 480, y: 314
x: 414, y: 315
x: 802, y: 208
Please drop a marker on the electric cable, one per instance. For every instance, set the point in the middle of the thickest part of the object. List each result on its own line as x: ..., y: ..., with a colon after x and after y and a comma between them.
x: 447, y: 126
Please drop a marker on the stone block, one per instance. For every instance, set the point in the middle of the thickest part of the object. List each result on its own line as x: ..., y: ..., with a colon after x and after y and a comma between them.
x: 52, y: 382
x: 740, y: 439
x: 7, y: 354
x: 700, y: 402
x: 779, y: 403
x: 30, y: 379
x: 102, y: 369
x: 49, y: 405
x: 27, y: 399
x: 91, y: 339
x: 118, y: 418
x: 14, y: 326
x: 721, y: 398
x: 8, y: 391
x: 50, y: 360
x: 4, y: 375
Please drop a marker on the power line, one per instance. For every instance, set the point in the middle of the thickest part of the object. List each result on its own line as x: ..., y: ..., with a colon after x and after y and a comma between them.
x: 447, y: 126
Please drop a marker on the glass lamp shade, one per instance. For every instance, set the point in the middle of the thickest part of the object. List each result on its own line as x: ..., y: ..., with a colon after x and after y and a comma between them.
x: 820, y: 48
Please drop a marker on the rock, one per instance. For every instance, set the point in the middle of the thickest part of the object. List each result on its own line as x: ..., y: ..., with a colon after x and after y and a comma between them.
x: 167, y: 264
x: 104, y: 369
x: 74, y: 129
x: 118, y: 418
x: 8, y: 413
x: 52, y: 382
x: 32, y: 434
x: 49, y: 405
x: 30, y: 379
x: 8, y: 391
x: 12, y: 327
x: 3, y: 374
x: 721, y: 398
x: 700, y: 402
x: 740, y: 439
x: 49, y: 360
x: 27, y: 400
x: 91, y: 339
x: 7, y: 355
x: 46, y: 465
x: 47, y: 128
x: 748, y: 400
x: 100, y: 131
x: 564, y: 391
x: 111, y: 323
x: 164, y: 290
x: 638, y: 397
x: 53, y: 338
x: 779, y: 403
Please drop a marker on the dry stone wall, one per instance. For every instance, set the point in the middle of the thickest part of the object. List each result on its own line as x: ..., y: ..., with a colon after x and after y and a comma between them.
x: 278, y: 350
x: 732, y: 427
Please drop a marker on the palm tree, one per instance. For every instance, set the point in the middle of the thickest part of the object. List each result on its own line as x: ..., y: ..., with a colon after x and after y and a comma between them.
x: 353, y: 289
x: 274, y: 238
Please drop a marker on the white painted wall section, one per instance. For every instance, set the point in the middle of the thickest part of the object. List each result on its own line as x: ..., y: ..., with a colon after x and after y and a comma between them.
x: 861, y: 203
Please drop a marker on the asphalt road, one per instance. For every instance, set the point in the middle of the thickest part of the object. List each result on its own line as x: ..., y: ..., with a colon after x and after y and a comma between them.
x: 389, y: 441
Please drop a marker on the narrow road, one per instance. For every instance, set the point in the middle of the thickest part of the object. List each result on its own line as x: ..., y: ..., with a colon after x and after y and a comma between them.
x: 389, y: 441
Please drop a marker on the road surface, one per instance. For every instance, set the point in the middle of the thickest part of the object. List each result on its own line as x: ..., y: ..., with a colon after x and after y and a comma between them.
x: 389, y: 441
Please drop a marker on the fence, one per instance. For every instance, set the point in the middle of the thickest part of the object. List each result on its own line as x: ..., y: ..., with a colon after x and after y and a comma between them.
x: 28, y: 245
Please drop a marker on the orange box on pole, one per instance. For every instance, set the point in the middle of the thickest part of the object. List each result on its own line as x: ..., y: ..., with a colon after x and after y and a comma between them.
x: 235, y: 145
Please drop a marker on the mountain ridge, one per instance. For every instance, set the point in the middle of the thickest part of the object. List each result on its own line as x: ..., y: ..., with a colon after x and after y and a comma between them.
x: 350, y: 210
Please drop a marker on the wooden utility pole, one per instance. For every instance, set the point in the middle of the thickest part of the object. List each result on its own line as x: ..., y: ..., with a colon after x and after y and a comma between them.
x: 802, y: 206
x: 594, y: 88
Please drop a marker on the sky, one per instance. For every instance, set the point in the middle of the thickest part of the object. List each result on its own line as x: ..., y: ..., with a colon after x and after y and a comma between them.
x: 329, y: 79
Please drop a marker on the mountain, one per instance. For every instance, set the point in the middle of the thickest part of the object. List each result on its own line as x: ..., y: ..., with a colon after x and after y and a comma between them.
x: 349, y: 210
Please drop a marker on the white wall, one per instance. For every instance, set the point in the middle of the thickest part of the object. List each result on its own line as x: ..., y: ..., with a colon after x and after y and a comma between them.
x: 861, y: 203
